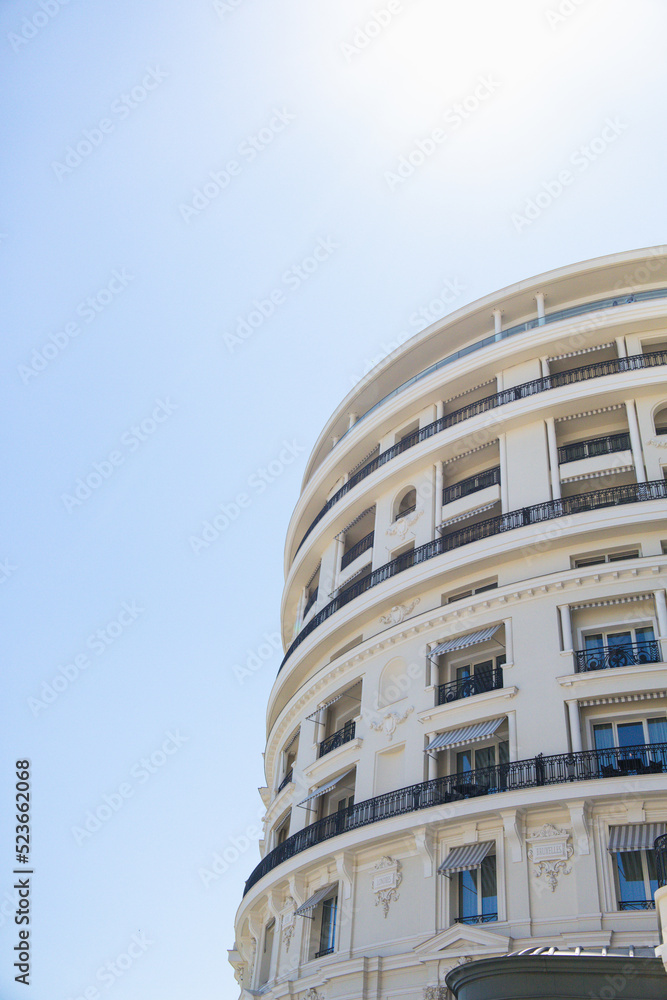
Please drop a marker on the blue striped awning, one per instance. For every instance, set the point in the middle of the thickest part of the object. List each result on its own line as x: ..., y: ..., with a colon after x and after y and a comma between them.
x: 463, y: 641
x: 323, y: 789
x: 462, y: 859
x: 468, y: 734
x: 634, y: 836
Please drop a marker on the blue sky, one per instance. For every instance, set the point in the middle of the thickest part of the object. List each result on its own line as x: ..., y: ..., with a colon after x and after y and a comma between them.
x: 169, y: 172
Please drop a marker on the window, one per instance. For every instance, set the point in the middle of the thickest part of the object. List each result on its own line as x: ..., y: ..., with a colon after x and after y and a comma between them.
x: 477, y: 893
x: 282, y: 831
x: 325, y: 920
x: 462, y: 594
x: 636, y: 879
x: 474, y: 678
x: 594, y: 559
x: 267, y: 949
x: 637, y: 732
x: 619, y: 648
x: 660, y: 421
x: 478, y: 758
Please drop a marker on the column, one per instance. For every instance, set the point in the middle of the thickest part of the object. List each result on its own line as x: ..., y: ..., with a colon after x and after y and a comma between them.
x: 504, y: 485
x: 539, y: 298
x: 575, y: 725
x: 635, y: 440
x: 511, y: 727
x: 352, y: 420
x: 544, y: 363
x: 432, y: 762
x: 566, y: 627
x: 434, y: 670
x: 509, y: 641
x: 661, y: 615
x: 497, y: 320
x: 439, y: 409
x: 621, y: 347
x: 438, y: 494
x: 553, y: 458
x: 338, y: 556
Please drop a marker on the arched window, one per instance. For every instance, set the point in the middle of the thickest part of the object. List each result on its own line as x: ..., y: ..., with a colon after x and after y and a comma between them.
x: 660, y: 420
x: 406, y: 503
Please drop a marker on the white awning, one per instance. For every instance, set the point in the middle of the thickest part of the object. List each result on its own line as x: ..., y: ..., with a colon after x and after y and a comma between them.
x: 323, y: 789
x: 463, y: 641
x: 634, y: 837
x: 461, y: 859
x: 317, y: 897
x: 468, y: 734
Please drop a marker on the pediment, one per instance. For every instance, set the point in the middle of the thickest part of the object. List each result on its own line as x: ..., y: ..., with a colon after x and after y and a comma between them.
x: 465, y: 939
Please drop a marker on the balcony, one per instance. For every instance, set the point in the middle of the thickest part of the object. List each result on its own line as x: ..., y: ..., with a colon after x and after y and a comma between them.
x: 491, y: 477
x: 465, y: 687
x: 584, y: 765
x: 593, y: 447
x: 286, y: 780
x: 323, y: 952
x: 625, y: 655
x: 634, y: 362
x: 478, y: 918
x: 337, y: 739
x: 361, y: 546
x: 580, y: 503
x: 636, y: 904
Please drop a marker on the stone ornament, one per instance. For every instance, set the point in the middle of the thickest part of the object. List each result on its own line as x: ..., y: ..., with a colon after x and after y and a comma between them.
x: 289, y: 922
x: 313, y: 994
x: 658, y: 442
x: 399, y: 612
x: 389, y: 723
x: 401, y: 527
x: 386, y: 881
x: 549, y: 851
x: 436, y: 993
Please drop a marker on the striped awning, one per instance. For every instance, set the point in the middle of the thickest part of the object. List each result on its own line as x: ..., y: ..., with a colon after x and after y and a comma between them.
x: 332, y: 701
x: 463, y: 641
x: 468, y: 734
x: 317, y: 897
x: 462, y: 859
x: 468, y: 513
x: 323, y: 789
x: 634, y: 836
x: 291, y: 743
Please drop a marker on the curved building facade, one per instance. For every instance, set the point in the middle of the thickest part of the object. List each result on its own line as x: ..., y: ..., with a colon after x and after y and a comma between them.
x: 466, y: 748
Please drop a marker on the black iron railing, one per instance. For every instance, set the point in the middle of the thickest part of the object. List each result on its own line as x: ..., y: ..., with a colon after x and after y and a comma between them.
x: 582, y: 502
x: 323, y: 952
x: 464, y: 687
x: 356, y: 550
x: 405, y: 511
x: 477, y: 918
x: 491, y: 477
x: 627, y: 655
x: 311, y: 600
x: 594, y: 446
x: 596, y: 370
x: 337, y: 739
x: 636, y: 904
x: 533, y: 772
x: 286, y: 780
x: 660, y: 848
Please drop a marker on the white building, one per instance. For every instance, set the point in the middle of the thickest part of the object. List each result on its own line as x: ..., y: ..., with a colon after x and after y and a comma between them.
x: 466, y: 748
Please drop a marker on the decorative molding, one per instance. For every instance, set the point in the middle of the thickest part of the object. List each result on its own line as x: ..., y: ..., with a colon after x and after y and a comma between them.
x: 425, y: 844
x: 386, y: 881
x: 313, y: 994
x: 618, y: 699
x: 390, y: 722
x: 549, y: 851
x: 579, y: 820
x: 658, y: 442
x: 289, y: 921
x: 437, y: 992
x: 470, y: 451
x: 399, y: 612
x: 402, y: 526
x: 512, y: 823
x: 611, y: 471
x: 590, y: 413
